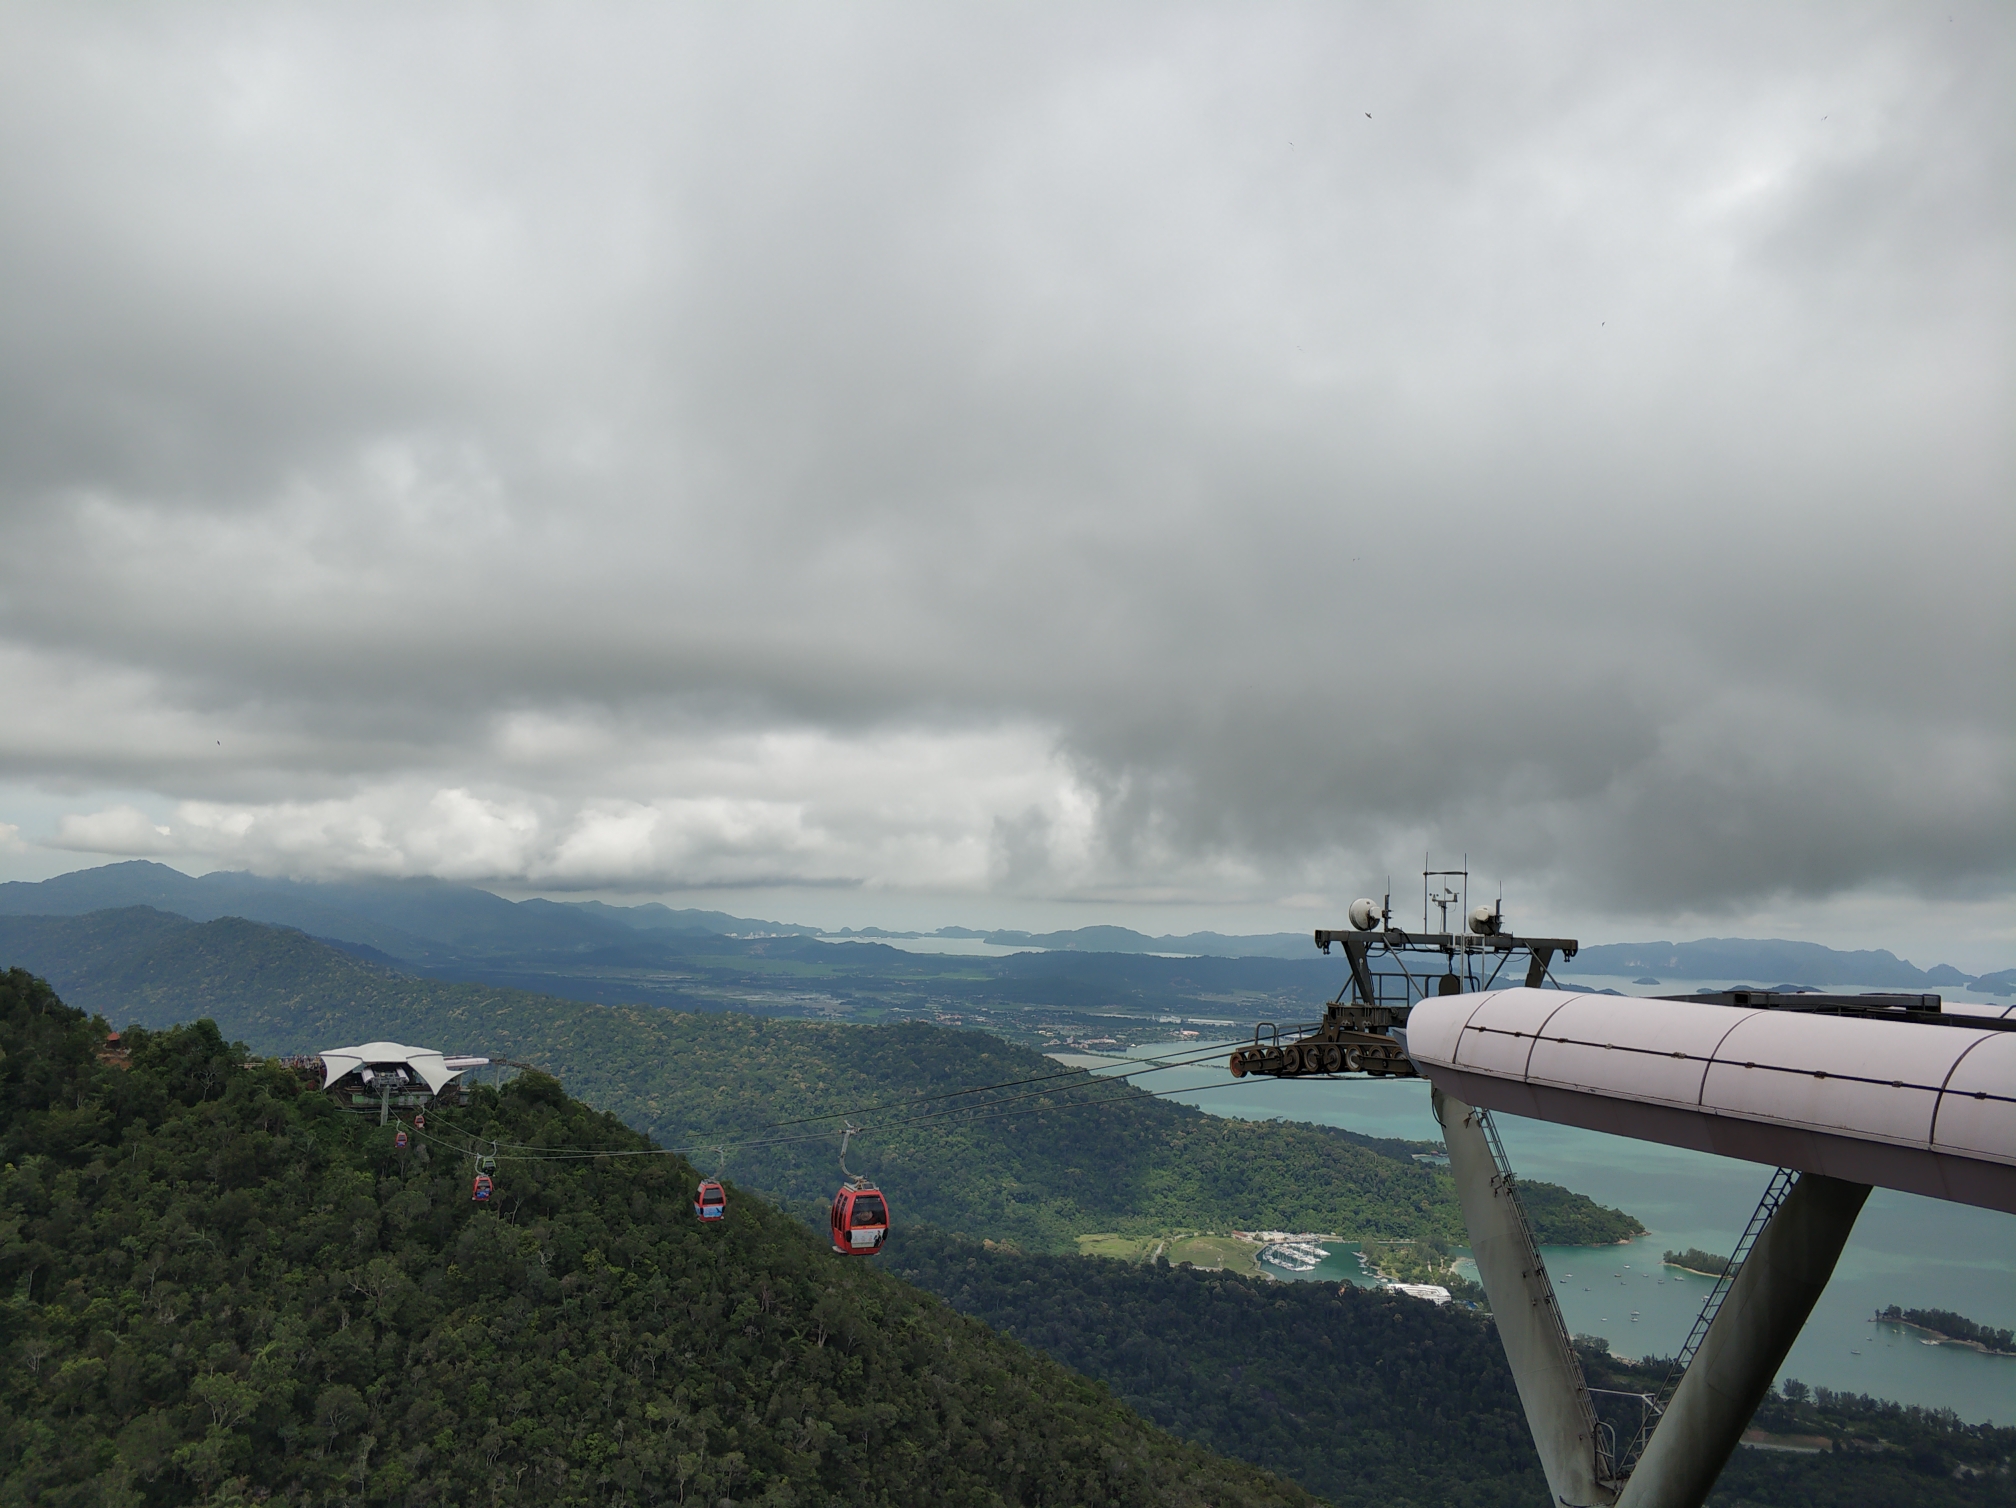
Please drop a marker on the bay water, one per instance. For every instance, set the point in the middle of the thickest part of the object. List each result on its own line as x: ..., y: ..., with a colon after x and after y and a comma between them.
x: 1907, y: 1250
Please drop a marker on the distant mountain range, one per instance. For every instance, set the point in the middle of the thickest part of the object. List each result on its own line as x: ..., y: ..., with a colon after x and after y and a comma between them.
x: 441, y: 926
x: 1775, y: 960
x: 1116, y: 940
x: 423, y: 921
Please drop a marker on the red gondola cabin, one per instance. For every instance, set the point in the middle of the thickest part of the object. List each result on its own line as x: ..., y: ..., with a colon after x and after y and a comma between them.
x: 711, y: 1202
x: 860, y: 1221
x: 480, y: 1189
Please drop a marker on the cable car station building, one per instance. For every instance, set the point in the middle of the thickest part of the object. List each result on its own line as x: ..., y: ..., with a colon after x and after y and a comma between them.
x: 393, y: 1076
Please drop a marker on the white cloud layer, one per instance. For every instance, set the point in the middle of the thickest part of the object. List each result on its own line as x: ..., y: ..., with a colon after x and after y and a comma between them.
x: 960, y: 812
x: 1120, y: 452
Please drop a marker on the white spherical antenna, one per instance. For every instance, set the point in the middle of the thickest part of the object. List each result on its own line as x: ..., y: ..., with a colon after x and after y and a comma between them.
x: 1484, y: 920
x: 1365, y: 914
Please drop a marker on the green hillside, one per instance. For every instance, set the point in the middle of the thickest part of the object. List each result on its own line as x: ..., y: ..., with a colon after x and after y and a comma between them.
x: 1373, y: 1399
x: 224, y: 1290
x: 1051, y: 1169
x: 1368, y: 1398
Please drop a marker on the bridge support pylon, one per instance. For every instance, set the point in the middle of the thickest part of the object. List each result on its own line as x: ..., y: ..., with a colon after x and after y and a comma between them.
x: 1767, y: 1305
x: 1762, y: 1314
x: 1544, y: 1366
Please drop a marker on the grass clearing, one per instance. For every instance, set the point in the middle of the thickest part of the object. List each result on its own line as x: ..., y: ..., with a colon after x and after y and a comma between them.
x: 1216, y: 1253
x: 1205, y: 1249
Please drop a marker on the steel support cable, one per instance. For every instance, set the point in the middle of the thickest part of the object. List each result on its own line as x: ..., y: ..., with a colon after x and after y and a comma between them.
x: 1203, y: 1054
x: 1086, y: 1078
x: 981, y: 1114
x: 1187, y: 1057
x: 969, y: 1114
x: 1089, y: 1081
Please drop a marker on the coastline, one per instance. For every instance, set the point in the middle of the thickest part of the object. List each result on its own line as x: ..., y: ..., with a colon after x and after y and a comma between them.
x: 1939, y: 1336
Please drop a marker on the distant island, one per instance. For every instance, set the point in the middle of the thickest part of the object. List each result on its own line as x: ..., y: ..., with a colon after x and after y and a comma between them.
x: 1693, y: 1259
x: 1953, y: 1329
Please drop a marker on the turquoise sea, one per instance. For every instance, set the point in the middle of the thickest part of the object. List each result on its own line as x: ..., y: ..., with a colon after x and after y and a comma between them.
x: 1915, y: 1252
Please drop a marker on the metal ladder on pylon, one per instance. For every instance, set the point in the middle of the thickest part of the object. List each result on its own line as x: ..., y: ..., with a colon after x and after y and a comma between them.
x: 1599, y: 1434
x: 1775, y: 1193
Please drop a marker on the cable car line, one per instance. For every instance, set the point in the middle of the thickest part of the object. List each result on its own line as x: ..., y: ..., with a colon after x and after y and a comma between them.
x: 533, y: 1154
x: 1169, y: 1060
x: 1187, y: 1057
x: 979, y: 1115
x: 1087, y: 1078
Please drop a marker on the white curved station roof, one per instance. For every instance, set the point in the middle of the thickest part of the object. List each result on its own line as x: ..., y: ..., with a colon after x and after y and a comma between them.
x: 1908, y: 1105
x: 426, y: 1064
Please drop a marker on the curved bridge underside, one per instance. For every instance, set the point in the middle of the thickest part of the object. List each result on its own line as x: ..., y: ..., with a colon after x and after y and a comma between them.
x: 1922, y: 1107
x: 1916, y: 1099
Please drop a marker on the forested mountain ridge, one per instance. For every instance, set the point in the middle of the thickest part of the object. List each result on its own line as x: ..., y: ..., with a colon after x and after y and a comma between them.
x: 1373, y: 1399
x: 1051, y: 1170
x: 543, y: 948
x: 224, y: 1289
x: 1367, y: 1397
x: 430, y: 923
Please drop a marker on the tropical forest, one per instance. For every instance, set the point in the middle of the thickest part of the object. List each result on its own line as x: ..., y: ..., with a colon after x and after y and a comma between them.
x: 222, y: 1285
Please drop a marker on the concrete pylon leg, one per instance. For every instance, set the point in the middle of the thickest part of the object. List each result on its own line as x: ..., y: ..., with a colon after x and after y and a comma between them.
x: 1765, y: 1310
x: 1544, y: 1367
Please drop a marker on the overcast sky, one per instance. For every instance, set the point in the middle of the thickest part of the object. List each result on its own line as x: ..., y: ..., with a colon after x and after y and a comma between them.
x: 911, y: 464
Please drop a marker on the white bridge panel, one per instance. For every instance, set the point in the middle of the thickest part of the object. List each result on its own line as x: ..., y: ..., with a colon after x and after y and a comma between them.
x: 1977, y: 1113
x: 1515, y: 1017
x: 1614, y: 1045
x: 1874, y: 1079
x: 1920, y: 1106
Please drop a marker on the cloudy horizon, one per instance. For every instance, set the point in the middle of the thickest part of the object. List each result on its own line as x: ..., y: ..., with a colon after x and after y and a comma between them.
x: 1041, y: 465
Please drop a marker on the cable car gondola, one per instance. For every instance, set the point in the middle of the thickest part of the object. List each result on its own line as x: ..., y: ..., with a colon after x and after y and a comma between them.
x: 711, y: 1201
x: 486, y: 1164
x: 399, y: 1139
x: 860, y: 1219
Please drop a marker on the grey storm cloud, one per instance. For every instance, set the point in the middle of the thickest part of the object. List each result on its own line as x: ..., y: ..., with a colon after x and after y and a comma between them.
x: 1096, y: 450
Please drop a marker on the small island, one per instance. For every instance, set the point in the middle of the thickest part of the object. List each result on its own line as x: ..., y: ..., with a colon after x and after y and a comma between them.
x: 1947, y: 1328
x: 1693, y: 1259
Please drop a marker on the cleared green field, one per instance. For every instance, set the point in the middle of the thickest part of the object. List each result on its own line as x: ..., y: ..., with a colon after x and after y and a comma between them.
x: 1217, y: 1253
x: 1205, y: 1249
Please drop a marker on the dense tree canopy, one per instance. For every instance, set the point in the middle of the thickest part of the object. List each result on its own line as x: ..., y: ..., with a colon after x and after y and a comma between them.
x: 222, y: 1287
x: 1369, y: 1398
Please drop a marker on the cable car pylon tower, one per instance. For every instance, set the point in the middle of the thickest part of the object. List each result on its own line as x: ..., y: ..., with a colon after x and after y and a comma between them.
x: 1838, y: 1093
